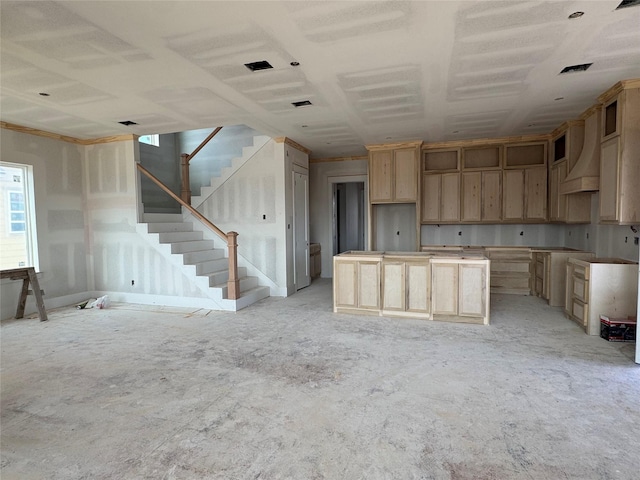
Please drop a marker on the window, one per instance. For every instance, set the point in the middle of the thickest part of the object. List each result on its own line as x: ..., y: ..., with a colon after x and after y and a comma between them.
x: 16, y: 212
x: 150, y: 139
x: 17, y: 217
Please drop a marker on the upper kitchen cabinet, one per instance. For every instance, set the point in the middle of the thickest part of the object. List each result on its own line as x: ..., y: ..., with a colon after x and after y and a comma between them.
x: 620, y: 154
x: 393, y: 173
x: 440, y: 185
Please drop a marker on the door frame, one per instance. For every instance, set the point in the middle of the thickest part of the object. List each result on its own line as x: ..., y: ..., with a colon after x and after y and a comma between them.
x: 331, y: 181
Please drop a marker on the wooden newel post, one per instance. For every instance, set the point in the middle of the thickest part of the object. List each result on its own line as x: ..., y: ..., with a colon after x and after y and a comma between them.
x: 233, y: 284
x: 185, y: 193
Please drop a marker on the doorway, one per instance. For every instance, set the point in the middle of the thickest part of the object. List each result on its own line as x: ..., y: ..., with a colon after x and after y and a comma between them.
x: 348, y: 216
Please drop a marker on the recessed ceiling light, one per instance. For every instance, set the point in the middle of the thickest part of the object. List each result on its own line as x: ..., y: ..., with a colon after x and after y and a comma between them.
x: 303, y: 103
x: 295, y: 64
x: 576, y: 15
x: 628, y: 3
x: 576, y: 68
x: 43, y: 94
x: 255, y: 66
x: 128, y: 122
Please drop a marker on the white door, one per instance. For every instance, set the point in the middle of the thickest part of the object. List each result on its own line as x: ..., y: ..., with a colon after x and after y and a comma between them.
x: 301, y: 229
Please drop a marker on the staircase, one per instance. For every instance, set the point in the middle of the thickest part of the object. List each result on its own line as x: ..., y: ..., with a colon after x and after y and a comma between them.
x: 226, y: 171
x: 208, y: 265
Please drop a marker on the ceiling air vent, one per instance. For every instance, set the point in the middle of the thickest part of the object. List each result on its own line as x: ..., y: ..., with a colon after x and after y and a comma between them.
x: 576, y: 68
x: 255, y: 66
x: 303, y: 103
x: 628, y: 3
x: 128, y: 122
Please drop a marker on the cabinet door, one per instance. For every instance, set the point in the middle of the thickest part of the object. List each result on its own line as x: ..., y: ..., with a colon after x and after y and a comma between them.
x: 444, y: 288
x: 431, y: 198
x: 406, y: 175
x: 513, y: 195
x: 491, y: 196
x: 393, y: 286
x: 472, y: 290
x: 344, y: 279
x: 381, y: 176
x: 471, y: 205
x: 417, y: 285
x: 609, y: 175
x: 536, y: 193
x: 557, y: 202
x: 450, y: 197
x: 368, y: 285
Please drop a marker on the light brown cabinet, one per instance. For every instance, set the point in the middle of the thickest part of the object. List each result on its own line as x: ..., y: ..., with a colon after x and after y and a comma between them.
x: 356, y: 284
x: 525, y: 195
x: 440, y: 198
x: 406, y: 288
x: 620, y: 150
x: 548, y: 278
x: 393, y: 175
x: 481, y: 196
x: 600, y: 287
x: 460, y: 289
x: 510, y: 269
x: 446, y: 287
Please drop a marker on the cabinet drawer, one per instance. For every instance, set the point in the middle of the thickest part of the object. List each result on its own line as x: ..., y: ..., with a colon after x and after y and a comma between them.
x: 510, y: 267
x: 580, y: 271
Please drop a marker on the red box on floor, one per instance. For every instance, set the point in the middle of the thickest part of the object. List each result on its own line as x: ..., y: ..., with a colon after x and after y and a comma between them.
x: 618, y: 329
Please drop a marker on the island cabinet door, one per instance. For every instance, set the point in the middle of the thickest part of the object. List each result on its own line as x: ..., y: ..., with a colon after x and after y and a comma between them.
x: 444, y: 288
x: 417, y: 287
x: 393, y: 286
x: 345, y: 284
x: 368, y: 285
x: 472, y: 292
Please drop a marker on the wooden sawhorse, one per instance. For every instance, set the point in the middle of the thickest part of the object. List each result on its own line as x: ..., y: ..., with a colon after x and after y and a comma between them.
x: 26, y: 274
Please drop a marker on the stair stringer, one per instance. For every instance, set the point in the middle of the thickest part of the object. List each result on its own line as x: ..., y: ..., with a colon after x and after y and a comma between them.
x: 274, y: 289
x: 259, y: 141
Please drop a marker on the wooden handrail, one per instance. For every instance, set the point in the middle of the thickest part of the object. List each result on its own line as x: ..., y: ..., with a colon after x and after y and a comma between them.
x: 185, y: 158
x: 233, y: 283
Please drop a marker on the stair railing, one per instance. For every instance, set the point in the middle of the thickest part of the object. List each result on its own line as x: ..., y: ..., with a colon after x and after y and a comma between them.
x: 185, y: 158
x: 233, y: 284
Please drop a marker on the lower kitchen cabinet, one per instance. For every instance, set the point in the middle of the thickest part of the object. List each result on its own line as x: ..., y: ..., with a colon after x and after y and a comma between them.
x: 406, y: 288
x: 356, y: 284
x: 448, y: 287
x: 510, y: 269
x: 460, y: 289
x: 548, y: 276
x: 600, y: 287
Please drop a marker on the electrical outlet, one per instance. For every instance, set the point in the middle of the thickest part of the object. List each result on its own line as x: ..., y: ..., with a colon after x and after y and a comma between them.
x: 133, y: 282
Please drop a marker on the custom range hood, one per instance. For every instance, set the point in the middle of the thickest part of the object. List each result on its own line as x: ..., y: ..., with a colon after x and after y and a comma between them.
x: 585, y: 174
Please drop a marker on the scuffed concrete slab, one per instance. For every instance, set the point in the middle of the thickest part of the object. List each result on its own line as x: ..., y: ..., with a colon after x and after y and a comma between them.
x: 285, y: 389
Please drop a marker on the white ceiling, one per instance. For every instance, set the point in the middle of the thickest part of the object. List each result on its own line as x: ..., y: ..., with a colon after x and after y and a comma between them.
x: 375, y: 71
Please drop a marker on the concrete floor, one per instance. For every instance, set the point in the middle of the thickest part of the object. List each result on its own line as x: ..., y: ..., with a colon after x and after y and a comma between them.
x: 285, y: 389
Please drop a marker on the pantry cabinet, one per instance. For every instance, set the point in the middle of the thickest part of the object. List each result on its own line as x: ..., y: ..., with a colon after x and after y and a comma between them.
x: 620, y: 151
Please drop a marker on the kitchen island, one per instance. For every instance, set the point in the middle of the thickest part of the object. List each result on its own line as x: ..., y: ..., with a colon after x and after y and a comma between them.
x: 451, y: 287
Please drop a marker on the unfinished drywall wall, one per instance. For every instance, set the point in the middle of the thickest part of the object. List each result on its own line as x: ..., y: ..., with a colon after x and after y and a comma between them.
x: 252, y: 203
x: 162, y: 161
x: 118, y: 254
x: 60, y: 222
x: 322, y: 176
x: 394, y: 227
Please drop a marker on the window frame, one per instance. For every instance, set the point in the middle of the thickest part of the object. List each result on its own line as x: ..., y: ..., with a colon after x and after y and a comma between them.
x: 153, y: 139
x: 30, y: 233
